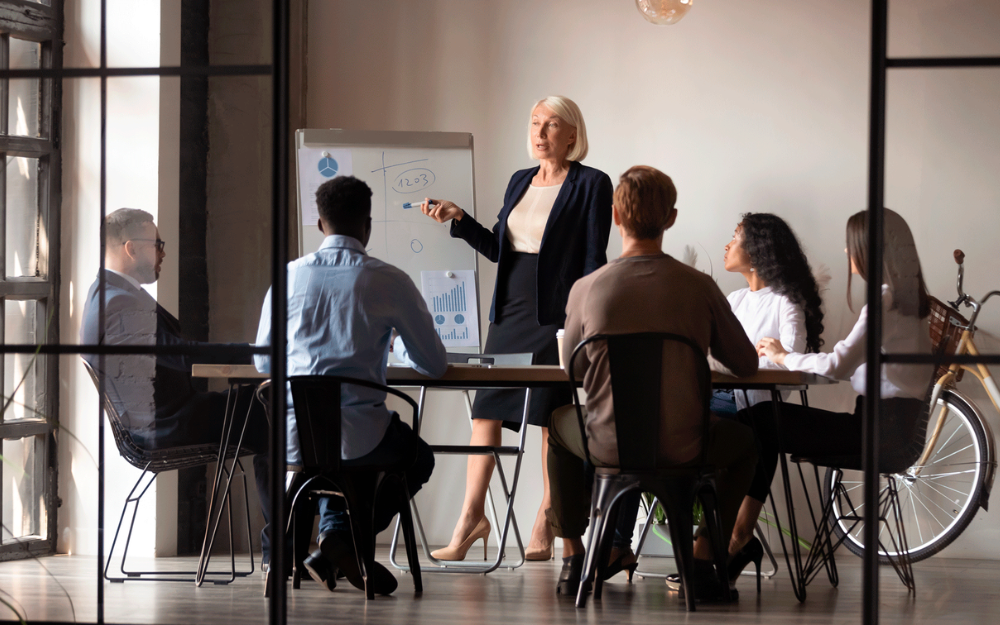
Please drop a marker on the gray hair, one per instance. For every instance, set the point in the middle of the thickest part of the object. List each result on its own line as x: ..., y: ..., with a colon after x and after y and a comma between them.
x: 124, y: 223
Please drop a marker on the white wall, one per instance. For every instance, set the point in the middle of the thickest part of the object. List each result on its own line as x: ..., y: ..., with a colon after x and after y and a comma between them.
x: 749, y: 106
x: 133, y: 180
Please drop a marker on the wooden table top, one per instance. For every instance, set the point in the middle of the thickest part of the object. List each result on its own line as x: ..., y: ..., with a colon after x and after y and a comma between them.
x: 517, y: 376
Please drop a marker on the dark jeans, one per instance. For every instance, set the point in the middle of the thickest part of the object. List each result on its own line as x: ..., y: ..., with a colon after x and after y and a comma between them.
x: 399, y: 440
x: 723, y: 403
x: 730, y: 448
x: 813, y: 432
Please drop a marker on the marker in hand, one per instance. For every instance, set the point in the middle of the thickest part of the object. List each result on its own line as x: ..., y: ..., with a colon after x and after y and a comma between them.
x: 416, y: 204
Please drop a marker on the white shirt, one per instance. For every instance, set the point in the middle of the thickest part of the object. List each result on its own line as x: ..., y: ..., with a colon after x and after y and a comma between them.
x: 526, y: 222
x: 900, y: 334
x: 766, y: 313
x: 127, y: 277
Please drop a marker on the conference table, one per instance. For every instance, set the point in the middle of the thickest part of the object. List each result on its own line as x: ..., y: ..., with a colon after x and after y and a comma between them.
x: 467, y: 377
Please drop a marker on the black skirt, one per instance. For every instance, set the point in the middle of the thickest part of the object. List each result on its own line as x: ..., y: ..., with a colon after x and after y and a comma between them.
x: 516, y: 330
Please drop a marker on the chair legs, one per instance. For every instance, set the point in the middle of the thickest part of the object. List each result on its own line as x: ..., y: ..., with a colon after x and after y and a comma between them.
x: 607, y: 490
x: 680, y: 519
x: 133, y: 499
x: 678, y: 496
x: 360, y: 493
x: 889, y: 513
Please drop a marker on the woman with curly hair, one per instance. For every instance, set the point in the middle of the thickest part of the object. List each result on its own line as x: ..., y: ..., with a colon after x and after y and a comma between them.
x: 781, y: 300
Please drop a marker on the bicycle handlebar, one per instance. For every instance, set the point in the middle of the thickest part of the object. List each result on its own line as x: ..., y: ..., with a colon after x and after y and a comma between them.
x: 962, y: 297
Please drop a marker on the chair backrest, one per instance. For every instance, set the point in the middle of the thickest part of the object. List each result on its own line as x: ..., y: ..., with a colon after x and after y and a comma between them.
x: 127, y: 447
x: 154, y: 460
x: 660, y: 385
x: 946, y: 333
x: 316, y: 399
x: 317, y: 402
x: 493, y: 359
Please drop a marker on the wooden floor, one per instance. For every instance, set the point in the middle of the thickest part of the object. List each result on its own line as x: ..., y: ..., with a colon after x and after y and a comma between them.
x: 948, y: 591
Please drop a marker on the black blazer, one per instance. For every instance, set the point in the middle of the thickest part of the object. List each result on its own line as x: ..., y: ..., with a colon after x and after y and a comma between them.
x: 153, y: 391
x: 574, y: 243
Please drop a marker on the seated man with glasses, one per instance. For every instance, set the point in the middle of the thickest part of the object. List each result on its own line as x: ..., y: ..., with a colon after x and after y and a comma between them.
x: 645, y: 290
x: 343, y: 308
x: 160, y: 406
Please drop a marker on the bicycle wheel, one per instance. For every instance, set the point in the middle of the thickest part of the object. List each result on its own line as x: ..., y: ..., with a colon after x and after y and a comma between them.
x: 937, y: 503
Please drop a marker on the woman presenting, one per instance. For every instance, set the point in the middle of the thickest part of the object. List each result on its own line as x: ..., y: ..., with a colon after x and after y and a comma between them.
x: 552, y: 230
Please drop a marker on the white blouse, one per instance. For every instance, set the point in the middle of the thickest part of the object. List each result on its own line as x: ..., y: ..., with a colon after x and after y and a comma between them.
x: 900, y: 334
x: 766, y: 313
x: 526, y: 222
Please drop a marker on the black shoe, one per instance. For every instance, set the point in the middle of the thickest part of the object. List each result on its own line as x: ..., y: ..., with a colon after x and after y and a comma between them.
x: 341, y: 554
x: 321, y: 570
x: 707, y: 588
x: 753, y: 551
x: 569, y: 577
x: 620, y: 565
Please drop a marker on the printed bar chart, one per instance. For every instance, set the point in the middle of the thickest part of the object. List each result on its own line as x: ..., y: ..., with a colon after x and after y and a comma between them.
x: 454, y: 335
x: 451, y: 300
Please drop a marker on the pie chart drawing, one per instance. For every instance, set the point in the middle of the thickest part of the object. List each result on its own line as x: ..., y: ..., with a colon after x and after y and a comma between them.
x: 459, y: 319
x: 328, y: 167
x: 439, y: 319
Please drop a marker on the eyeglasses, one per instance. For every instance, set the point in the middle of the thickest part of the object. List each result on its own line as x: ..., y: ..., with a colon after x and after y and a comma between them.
x: 160, y: 244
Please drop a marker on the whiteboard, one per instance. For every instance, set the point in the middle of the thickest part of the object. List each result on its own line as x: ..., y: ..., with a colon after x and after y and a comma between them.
x: 399, y: 167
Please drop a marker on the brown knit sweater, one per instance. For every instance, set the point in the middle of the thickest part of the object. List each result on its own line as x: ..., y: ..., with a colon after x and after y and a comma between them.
x: 651, y: 294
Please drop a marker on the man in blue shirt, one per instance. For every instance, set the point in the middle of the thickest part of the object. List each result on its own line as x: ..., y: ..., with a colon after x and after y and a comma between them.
x: 343, y: 307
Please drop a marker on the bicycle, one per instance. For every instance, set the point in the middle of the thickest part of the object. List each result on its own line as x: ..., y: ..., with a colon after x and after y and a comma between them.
x: 952, y: 479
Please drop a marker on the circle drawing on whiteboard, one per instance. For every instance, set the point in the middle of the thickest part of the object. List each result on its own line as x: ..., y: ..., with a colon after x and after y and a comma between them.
x: 439, y: 319
x: 459, y: 319
x: 413, y: 180
x: 416, y: 246
x: 328, y: 167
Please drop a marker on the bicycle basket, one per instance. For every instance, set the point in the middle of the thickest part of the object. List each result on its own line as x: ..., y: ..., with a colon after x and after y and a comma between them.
x: 945, y: 333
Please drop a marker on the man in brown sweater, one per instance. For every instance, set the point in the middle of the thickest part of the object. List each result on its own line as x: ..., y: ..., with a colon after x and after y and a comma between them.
x: 645, y: 290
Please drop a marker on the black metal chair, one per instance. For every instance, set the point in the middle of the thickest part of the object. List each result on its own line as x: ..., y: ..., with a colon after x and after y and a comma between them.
x: 152, y: 463
x: 832, y: 529
x: 893, y: 542
x: 317, y: 415
x: 648, y: 370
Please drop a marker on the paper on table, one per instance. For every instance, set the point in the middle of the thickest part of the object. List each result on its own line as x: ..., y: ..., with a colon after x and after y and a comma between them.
x: 316, y: 166
x: 451, y: 298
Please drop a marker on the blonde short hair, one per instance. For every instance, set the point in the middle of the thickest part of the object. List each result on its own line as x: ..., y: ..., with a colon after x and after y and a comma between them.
x: 569, y: 112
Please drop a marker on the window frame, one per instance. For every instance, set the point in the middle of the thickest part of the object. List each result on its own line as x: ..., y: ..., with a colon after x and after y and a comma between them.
x: 42, y: 24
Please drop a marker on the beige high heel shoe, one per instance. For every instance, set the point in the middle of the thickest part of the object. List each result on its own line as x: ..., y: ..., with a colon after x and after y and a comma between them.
x: 458, y: 553
x: 539, y: 555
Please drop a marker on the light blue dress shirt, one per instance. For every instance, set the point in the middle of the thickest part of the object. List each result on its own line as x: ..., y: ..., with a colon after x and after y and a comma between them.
x: 342, y: 308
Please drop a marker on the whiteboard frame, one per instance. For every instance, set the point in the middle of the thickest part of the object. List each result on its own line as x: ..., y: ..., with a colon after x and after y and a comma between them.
x: 340, y: 138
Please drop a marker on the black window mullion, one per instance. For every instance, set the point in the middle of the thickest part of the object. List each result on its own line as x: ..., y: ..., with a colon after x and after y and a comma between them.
x: 4, y: 100
x: 4, y: 83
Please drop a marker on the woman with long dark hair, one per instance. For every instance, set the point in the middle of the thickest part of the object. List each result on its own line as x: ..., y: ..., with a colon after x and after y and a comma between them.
x: 781, y: 298
x: 813, y: 432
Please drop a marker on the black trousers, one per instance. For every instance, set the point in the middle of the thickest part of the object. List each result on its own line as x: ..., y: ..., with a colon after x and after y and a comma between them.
x: 730, y: 448
x: 399, y: 441
x: 814, y: 432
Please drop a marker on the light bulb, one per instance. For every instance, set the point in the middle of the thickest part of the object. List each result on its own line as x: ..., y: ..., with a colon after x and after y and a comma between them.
x: 663, y: 12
